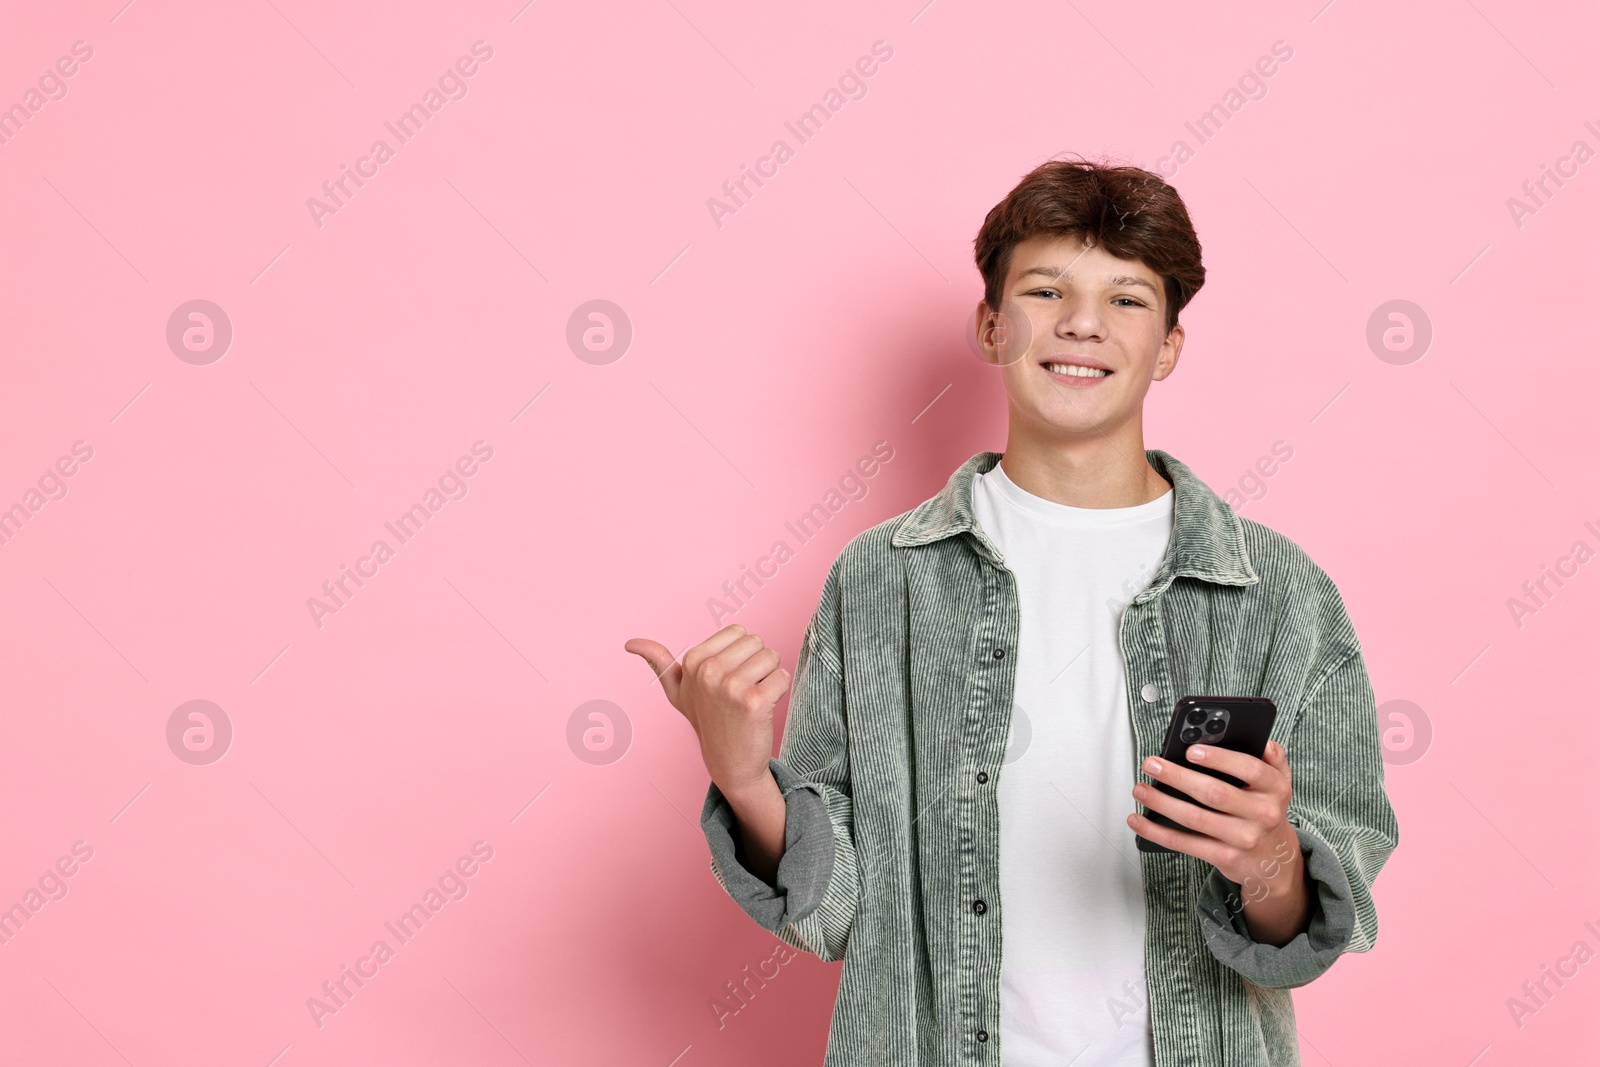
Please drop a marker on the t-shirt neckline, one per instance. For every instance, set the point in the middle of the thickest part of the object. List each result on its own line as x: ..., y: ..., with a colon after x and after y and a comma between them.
x: 1067, y: 515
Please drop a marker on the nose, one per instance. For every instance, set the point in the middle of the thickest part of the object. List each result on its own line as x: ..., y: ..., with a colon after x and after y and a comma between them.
x: 1080, y: 319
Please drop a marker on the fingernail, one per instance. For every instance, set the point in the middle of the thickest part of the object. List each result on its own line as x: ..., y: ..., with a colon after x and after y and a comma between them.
x: 1153, y: 765
x: 1197, y: 752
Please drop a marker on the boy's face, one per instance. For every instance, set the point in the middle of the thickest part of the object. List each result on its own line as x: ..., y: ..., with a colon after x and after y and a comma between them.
x: 1066, y: 309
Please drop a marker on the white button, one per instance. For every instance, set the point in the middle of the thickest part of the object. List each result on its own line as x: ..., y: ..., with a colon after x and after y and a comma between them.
x: 1150, y: 693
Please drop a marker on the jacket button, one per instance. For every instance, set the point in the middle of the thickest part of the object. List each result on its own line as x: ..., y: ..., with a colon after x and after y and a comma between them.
x: 1150, y: 693
x: 999, y: 653
x: 983, y: 1035
x: 983, y: 776
x: 979, y: 906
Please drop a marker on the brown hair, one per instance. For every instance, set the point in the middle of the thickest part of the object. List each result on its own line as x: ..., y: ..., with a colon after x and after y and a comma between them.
x: 1128, y: 211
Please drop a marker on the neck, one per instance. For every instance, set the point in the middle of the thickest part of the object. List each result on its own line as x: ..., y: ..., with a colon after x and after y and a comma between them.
x: 1098, y: 470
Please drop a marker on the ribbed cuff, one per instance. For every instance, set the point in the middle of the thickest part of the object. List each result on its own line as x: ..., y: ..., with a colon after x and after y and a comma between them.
x: 806, y: 864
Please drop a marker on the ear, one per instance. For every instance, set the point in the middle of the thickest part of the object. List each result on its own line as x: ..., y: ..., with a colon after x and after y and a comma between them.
x: 982, y: 327
x: 1171, y: 348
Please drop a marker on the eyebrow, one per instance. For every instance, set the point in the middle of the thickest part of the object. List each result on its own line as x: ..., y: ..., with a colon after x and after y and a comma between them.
x: 1060, y: 272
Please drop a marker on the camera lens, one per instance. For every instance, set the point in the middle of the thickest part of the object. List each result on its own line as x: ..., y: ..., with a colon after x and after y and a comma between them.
x: 1214, y: 726
x: 1197, y: 716
x: 1189, y: 734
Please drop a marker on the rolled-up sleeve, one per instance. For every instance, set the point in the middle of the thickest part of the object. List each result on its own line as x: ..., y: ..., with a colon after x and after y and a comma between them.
x: 815, y: 894
x: 1343, y: 819
x: 806, y: 864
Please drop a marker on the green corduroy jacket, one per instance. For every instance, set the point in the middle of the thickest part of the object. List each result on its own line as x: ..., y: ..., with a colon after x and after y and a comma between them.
x: 892, y: 752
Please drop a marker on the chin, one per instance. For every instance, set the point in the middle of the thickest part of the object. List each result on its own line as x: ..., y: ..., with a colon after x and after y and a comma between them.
x: 1075, y: 425
x: 1074, y: 414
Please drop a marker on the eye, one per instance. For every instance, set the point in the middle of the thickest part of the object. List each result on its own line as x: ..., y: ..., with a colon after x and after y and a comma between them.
x: 1131, y: 300
x: 1037, y: 292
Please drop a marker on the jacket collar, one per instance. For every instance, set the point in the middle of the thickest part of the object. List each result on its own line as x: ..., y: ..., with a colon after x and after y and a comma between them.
x: 1207, y: 538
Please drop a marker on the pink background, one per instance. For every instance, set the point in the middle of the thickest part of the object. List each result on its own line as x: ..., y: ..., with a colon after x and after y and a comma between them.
x: 767, y: 355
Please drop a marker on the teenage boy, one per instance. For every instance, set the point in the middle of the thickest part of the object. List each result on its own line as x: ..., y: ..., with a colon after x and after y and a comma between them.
x: 980, y: 697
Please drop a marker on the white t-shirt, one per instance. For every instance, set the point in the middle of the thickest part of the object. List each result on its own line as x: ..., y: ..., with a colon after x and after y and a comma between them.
x: 1072, y: 898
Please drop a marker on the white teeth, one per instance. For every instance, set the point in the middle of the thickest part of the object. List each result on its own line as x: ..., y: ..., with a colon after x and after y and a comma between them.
x: 1075, y: 371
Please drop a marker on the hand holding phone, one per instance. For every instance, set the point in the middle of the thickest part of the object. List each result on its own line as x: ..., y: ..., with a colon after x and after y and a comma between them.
x: 1242, y: 724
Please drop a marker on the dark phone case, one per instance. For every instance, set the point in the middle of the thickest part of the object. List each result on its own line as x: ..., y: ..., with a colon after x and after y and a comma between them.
x: 1249, y: 726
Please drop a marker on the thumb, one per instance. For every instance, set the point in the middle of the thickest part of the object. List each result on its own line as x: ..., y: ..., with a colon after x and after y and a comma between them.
x: 662, y: 662
x: 1276, y: 758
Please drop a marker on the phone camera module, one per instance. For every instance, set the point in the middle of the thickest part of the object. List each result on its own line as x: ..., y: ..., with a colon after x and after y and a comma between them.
x: 1196, y: 717
x: 1189, y: 735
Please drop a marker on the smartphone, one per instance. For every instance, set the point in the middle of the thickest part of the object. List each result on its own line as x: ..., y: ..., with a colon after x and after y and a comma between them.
x: 1242, y: 724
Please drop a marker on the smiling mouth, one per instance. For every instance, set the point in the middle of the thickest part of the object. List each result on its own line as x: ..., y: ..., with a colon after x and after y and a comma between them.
x: 1075, y: 370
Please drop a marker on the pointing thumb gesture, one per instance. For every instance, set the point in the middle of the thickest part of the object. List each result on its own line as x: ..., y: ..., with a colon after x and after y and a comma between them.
x: 727, y: 687
x: 662, y: 662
